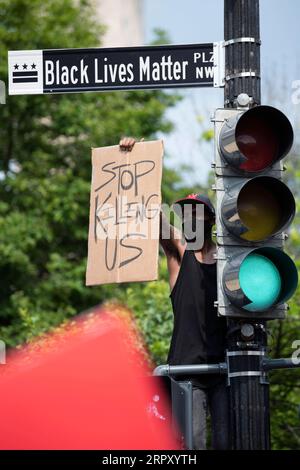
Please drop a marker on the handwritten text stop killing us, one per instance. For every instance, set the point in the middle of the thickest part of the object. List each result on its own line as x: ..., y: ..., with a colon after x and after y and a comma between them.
x: 124, y: 210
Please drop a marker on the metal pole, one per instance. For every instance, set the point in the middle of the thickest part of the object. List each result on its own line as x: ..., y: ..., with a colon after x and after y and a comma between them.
x: 242, y: 56
x: 248, y: 387
x: 271, y: 364
x: 246, y: 371
x: 193, y: 369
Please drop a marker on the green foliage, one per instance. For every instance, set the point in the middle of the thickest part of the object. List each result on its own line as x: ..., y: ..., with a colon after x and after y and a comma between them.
x: 285, y: 384
x: 208, y: 135
x: 161, y: 37
x: 46, y: 169
x: 152, y: 308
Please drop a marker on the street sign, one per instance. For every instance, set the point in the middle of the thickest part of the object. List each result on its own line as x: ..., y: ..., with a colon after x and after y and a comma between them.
x: 100, y: 69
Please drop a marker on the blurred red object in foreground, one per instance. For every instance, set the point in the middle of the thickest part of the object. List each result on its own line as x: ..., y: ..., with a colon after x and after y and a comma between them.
x: 83, y: 387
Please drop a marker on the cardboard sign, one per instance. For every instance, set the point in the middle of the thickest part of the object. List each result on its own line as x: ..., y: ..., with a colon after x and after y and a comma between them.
x: 124, y: 214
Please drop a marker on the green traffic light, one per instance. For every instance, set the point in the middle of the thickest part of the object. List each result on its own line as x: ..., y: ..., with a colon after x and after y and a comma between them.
x: 260, y: 281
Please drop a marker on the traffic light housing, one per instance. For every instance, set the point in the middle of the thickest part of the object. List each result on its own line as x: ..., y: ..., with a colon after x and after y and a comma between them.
x: 254, y: 207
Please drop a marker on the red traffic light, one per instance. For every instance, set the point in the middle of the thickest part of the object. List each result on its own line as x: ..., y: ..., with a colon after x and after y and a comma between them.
x: 253, y: 141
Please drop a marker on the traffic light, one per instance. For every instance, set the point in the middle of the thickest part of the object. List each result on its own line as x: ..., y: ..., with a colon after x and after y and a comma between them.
x: 254, y: 208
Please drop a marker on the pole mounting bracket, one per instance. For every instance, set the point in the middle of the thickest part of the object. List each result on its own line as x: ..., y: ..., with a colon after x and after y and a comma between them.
x: 229, y: 42
x: 241, y: 75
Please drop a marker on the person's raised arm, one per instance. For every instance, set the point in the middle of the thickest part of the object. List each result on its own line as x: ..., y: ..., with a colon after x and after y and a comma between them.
x: 170, y: 238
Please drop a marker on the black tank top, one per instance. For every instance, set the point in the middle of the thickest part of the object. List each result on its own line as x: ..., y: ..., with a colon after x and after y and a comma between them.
x: 198, y: 333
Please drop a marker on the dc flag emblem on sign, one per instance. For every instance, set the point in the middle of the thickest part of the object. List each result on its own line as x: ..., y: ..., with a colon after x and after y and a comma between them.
x: 25, y: 75
x: 25, y: 69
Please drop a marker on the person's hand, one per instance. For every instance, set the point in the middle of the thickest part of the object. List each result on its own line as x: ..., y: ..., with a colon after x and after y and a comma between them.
x: 126, y: 144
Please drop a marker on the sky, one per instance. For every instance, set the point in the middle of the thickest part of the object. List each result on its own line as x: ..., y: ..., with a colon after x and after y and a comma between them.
x: 200, y: 21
